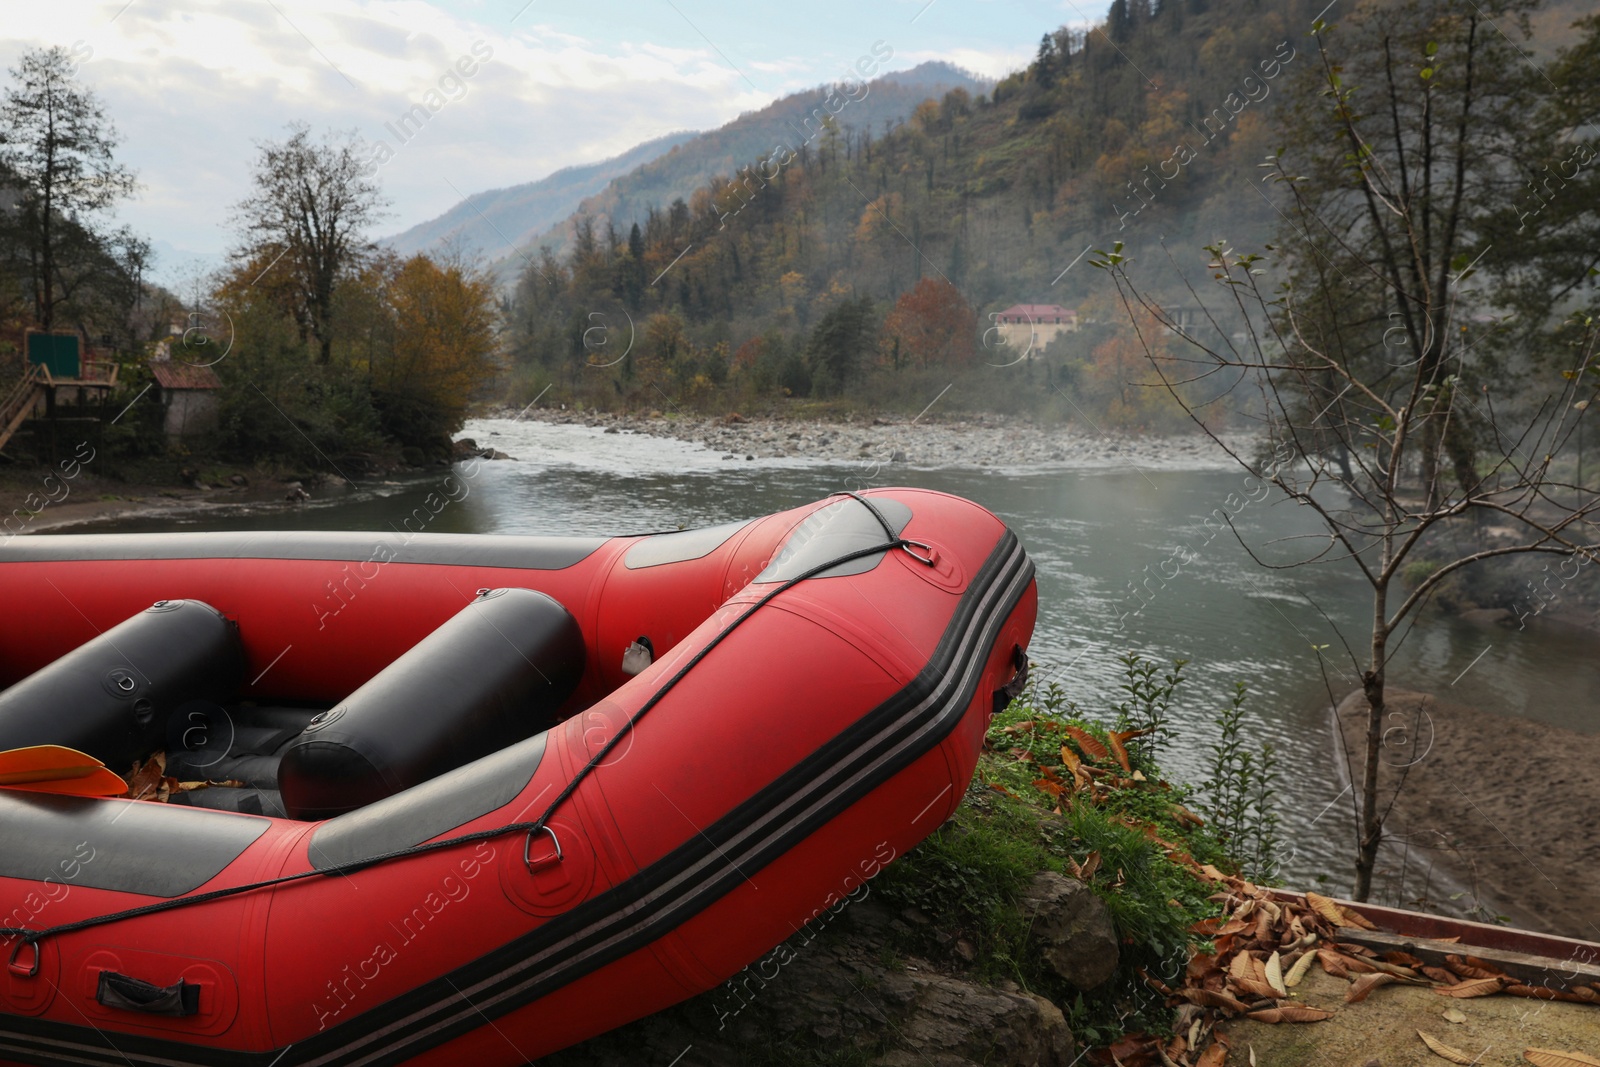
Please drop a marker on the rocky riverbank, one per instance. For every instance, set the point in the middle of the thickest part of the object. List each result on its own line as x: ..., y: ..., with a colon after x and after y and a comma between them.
x: 880, y: 441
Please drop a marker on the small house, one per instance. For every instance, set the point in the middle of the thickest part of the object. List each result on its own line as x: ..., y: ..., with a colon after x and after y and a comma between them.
x: 1028, y: 328
x: 187, y: 394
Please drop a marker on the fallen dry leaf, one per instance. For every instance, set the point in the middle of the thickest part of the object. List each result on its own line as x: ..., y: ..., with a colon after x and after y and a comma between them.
x: 1275, y: 975
x: 1290, y: 1013
x: 1405, y: 974
x: 1207, y: 998
x: 1326, y: 908
x: 1454, y: 1055
x: 147, y: 780
x: 1088, y: 742
x: 1544, y: 1057
x: 1133, y: 1048
x: 1454, y: 1015
x: 1255, y: 987
x: 1215, y: 1056
x: 1119, y: 751
x: 1539, y: 992
x: 1472, y: 967
x: 1345, y: 966
x: 1476, y: 987
x: 1298, y: 971
x: 1069, y: 758
x: 1333, y: 963
x: 229, y: 783
x: 1362, y: 987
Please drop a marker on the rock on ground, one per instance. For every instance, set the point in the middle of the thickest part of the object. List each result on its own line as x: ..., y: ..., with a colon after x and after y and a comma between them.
x: 1072, y: 929
x: 842, y: 995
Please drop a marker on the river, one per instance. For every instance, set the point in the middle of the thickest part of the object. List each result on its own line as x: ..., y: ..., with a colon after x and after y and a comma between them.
x: 1092, y: 533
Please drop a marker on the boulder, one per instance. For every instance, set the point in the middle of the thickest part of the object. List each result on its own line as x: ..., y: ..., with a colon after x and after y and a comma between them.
x: 954, y: 1023
x: 1071, y: 929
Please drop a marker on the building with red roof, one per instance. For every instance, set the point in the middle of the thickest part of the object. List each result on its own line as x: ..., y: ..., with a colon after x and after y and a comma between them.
x: 1027, y: 328
x: 187, y: 393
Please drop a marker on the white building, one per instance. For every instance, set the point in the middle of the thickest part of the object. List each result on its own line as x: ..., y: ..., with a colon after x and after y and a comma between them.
x: 1028, y: 328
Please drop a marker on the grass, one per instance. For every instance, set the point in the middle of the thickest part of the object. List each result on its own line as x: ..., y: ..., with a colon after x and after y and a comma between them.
x: 1128, y: 832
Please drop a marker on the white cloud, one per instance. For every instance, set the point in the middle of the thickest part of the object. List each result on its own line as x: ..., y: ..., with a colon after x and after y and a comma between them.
x: 193, y: 87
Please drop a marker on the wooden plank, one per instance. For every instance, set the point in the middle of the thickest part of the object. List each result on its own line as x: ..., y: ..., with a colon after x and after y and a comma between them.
x: 1537, y: 958
x: 1530, y: 969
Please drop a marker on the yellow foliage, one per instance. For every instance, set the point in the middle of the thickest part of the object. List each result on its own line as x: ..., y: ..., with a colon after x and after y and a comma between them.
x: 443, y: 333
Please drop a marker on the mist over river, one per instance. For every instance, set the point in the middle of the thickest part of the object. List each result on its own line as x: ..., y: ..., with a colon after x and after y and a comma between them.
x: 1096, y: 529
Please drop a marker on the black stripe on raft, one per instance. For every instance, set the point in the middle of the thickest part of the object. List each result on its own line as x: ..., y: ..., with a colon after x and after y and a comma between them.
x: 641, y: 910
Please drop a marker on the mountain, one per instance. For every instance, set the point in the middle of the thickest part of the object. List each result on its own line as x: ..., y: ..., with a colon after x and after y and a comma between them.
x: 938, y: 77
x: 483, y: 223
x: 886, y: 103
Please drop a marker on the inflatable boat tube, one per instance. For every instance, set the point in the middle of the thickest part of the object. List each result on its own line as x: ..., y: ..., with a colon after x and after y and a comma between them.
x: 491, y: 676
x: 821, y: 685
x: 113, y: 695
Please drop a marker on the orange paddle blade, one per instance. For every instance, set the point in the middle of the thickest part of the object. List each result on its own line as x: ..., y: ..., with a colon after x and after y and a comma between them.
x: 57, y: 769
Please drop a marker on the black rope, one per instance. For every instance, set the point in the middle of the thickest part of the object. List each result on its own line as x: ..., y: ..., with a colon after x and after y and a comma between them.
x: 33, y: 937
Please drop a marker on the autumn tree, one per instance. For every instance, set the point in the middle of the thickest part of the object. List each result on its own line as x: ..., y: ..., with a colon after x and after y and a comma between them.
x: 57, y: 154
x: 1118, y: 380
x: 440, y: 352
x: 931, y: 325
x: 308, y: 217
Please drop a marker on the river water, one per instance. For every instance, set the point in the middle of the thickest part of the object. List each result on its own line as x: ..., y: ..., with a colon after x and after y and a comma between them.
x: 1093, y: 534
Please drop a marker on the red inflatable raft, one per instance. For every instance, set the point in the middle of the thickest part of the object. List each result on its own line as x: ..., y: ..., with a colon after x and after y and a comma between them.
x: 466, y: 834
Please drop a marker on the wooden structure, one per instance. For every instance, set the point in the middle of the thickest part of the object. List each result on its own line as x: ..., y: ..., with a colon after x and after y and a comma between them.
x: 54, y: 378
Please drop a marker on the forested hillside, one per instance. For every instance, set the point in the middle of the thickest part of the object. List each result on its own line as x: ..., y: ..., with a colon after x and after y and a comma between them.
x: 876, y: 103
x: 782, y: 277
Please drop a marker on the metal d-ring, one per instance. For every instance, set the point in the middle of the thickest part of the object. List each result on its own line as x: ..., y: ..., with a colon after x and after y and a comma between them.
x: 24, y: 972
x: 527, y: 848
x: 906, y: 543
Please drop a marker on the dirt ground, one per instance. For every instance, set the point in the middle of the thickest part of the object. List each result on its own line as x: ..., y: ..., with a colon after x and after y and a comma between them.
x: 1512, y: 800
x: 1383, y: 1029
x: 35, y: 498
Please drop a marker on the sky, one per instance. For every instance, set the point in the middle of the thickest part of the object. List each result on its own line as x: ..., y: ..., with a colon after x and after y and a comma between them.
x: 194, y: 86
